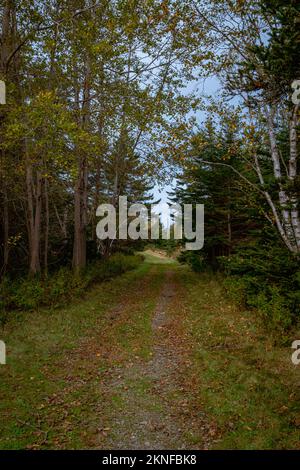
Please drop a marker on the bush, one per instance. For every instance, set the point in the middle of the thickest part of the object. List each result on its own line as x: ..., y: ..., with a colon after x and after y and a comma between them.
x: 274, y: 308
x: 195, y: 260
x: 28, y: 293
x: 268, y: 279
x: 62, y: 286
x: 237, y: 289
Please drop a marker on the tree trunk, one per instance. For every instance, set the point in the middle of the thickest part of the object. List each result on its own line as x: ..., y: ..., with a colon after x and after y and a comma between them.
x: 7, y: 41
x: 46, y: 241
x: 79, y: 248
x: 34, y: 206
x: 80, y: 196
x: 293, y: 172
x: 288, y: 204
x: 5, y: 230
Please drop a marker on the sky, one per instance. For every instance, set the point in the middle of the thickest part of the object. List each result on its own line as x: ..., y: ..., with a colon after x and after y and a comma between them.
x: 209, y: 86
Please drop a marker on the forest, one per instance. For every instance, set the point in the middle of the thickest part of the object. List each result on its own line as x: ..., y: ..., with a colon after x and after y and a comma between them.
x: 144, y: 344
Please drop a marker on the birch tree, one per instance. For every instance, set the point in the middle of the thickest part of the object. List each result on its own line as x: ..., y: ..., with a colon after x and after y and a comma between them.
x: 255, y: 55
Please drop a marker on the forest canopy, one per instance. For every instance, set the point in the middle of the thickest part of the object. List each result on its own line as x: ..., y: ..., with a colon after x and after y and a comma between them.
x: 104, y: 99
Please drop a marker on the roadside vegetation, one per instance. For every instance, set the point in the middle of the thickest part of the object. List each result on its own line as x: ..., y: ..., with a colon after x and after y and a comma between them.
x: 61, y: 287
x: 246, y: 382
x: 93, y: 374
x: 114, y: 340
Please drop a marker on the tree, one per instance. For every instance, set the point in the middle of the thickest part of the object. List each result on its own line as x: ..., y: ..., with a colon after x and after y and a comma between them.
x: 93, y: 90
x: 211, y: 176
x: 259, y: 40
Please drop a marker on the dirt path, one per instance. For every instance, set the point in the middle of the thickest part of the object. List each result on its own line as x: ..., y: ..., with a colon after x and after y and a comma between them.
x: 158, y: 358
x: 155, y: 412
x: 145, y: 421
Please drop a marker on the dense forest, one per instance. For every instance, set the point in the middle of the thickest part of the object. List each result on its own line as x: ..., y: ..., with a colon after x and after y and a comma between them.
x: 97, y: 107
x: 119, y: 97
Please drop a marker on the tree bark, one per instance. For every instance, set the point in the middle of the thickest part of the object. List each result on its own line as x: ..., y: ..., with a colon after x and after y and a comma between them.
x: 46, y: 240
x: 80, y: 193
x: 7, y: 41
x: 34, y: 206
x: 288, y: 204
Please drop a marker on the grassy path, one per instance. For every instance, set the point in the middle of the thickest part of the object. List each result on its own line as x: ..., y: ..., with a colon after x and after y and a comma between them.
x: 156, y: 358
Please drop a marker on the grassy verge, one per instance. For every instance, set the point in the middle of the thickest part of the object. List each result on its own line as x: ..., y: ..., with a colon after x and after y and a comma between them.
x: 157, y: 257
x: 244, y: 382
x: 52, y: 389
x: 72, y: 371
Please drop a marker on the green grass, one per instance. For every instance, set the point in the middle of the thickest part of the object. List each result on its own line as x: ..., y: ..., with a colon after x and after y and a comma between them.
x: 246, y: 384
x: 60, y: 287
x: 57, y: 358
x: 60, y: 362
x: 37, y: 345
x: 153, y: 257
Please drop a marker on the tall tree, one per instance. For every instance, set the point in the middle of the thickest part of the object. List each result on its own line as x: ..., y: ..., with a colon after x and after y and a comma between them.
x: 253, y: 42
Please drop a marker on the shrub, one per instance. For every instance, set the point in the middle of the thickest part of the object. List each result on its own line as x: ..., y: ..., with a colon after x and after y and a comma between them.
x: 236, y: 288
x: 195, y: 260
x: 28, y: 293
x: 268, y: 279
x: 274, y: 308
x: 61, y: 286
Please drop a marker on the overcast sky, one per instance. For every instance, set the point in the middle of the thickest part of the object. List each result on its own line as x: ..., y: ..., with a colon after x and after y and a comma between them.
x: 206, y: 87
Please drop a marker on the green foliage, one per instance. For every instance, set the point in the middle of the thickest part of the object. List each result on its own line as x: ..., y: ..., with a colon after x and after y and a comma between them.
x: 195, y: 260
x: 102, y: 99
x: 262, y: 274
x: 237, y: 289
x: 209, y: 178
x: 168, y: 245
x: 245, y: 380
x: 274, y: 307
x: 28, y: 293
x: 265, y: 277
x: 62, y: 286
